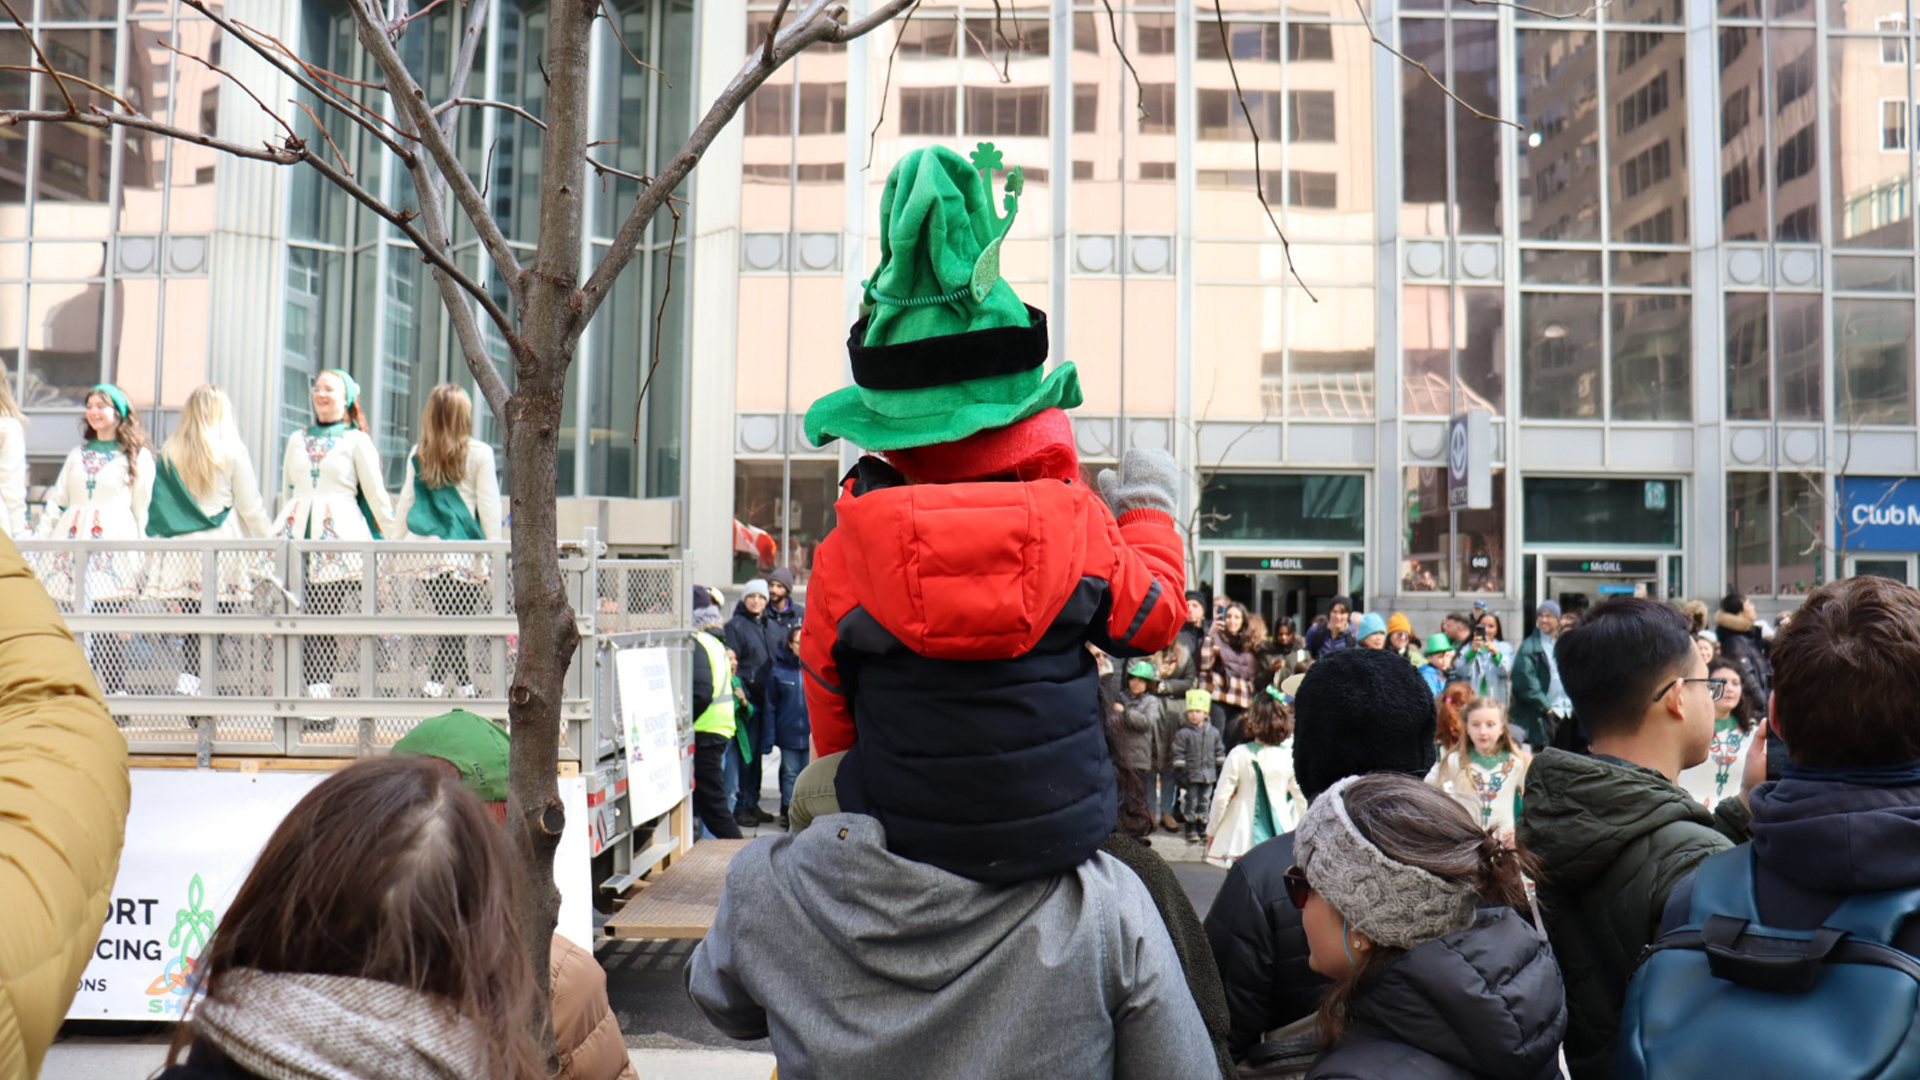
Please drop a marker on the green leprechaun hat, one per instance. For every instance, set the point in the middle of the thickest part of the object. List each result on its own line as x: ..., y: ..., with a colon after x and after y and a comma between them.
x: 943, y: 348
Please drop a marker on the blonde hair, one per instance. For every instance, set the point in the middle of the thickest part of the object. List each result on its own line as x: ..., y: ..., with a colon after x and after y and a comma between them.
x: 204, y: 443
x: 9, y: 407
x: 445, y: 426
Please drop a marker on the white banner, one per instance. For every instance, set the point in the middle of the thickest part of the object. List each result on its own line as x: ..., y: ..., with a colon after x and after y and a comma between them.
x: 192, y: 836
x: 659, y: 736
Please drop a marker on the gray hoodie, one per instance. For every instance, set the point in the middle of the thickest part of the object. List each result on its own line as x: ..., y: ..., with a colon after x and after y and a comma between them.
x: 860, y: 964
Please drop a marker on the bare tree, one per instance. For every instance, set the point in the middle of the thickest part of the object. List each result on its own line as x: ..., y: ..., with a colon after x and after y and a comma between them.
x: 550, y: 305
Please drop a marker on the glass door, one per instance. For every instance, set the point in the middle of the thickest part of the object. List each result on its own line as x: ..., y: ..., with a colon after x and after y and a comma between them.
x: 1893, y: 567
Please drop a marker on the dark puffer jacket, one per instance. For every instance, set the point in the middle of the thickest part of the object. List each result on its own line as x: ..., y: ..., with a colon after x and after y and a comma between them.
x: 1260, y: 947
x: 1484, y: 1002
x: 1612, y: 839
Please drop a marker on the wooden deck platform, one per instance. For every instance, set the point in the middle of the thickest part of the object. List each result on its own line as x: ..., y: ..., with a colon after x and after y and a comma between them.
x: 684, y: 899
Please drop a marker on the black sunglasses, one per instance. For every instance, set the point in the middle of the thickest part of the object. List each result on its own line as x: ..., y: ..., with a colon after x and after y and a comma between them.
x: 1297, y: 888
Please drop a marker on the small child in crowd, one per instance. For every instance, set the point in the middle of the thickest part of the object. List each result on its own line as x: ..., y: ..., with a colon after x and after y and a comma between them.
x: 1197, y: 753
x: 1439, y: 663
x: 1137, y: 723
x: 1257, y: 798
x: 1486, y: 770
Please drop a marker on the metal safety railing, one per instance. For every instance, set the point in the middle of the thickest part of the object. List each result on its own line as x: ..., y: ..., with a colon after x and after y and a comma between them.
x: 329, y: 648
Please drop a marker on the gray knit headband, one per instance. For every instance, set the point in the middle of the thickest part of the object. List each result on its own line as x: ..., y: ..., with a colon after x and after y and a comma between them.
x: 1390, y: 902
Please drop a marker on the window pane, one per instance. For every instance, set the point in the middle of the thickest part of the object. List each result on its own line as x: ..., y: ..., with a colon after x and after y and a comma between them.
x: 927, y: 110
x: 1574, y: 510
x: 1649, y: 160
x: 1802, y: 501
x: 1872, y: 185
x: 1750, y: 532
x: 1482, y: 543
x: 1560, y: 154
x: 1423, y: 131
x: 1006, y: 110
x: 15, y: 54
x: 1560, y: 364
x: 1330, y: 353
x: 1743, y: 134
x: 1329, y: 184
x: 806, y: 513
x: 1426, y: 325
x: 1424, y: 540
x: 1873, y: 353
x: 1796, y: 135
x: 1748, y: 396
x: 1799, y: 367
x: 64, y: 336
x: 1476, y: 162
x: 1286, y: 506
x: 1652, y: 357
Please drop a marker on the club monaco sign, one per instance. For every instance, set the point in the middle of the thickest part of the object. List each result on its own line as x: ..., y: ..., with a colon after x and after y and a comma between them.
x: 1879, y: 513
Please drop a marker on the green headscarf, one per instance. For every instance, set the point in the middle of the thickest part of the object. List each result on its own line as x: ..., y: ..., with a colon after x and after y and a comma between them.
x: 114, y: 395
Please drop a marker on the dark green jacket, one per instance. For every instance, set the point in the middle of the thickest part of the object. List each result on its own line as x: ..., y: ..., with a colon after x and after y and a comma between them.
x: 1531, y: 679
x: 1612, y: 839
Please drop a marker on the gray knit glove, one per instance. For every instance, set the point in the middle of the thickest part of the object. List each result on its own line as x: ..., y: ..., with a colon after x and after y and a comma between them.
x: 1148, y: 480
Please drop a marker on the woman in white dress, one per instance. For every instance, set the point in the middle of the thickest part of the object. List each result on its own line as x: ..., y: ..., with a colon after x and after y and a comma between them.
x: 1257, y: 797
x: 13, y: 461
x: 101, y: 494
x: 450, y: 493
x: 1719, y: 776
x: 332, y: 490
x: 204, y: 489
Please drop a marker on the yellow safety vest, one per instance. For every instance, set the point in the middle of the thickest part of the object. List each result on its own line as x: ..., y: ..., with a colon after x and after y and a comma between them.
x: 718, y: 719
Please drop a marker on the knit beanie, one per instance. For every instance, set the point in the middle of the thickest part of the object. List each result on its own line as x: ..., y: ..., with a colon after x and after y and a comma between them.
x: 756, y: 586
x: 1549, y: 607
x: 1400, y: 624
x: 1370, y: 624
x: 1395, y: 904
x: 1360, y: 711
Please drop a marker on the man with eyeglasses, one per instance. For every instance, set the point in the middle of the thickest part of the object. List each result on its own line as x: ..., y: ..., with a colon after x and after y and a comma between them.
x: 1612, y: 830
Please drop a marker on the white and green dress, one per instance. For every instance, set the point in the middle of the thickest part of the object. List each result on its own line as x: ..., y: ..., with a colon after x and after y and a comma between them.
x: 1489, y: 786
x: 98, y: 495
x: 1256, y: 799
x: 231, y: 509
x: 1718, y: 777
x: 332, y: 490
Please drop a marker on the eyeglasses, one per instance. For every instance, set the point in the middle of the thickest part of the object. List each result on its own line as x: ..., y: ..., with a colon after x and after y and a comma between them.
x: 1716, y: 688
x: 1297, y: 888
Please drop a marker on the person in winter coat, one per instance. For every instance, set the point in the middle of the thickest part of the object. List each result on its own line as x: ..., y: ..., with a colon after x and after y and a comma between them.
x: 787, y: 717
x: 754, y: 638
x: 1197, y: 754
x: 1400, y: 639
x: 1413, y: 911
x: 782, y: 608
x: 1612, y: 831
x: 847, y: 957
x: 1357, y: 711
x: 714, y: 721
x: 63, y: 814
x: 1540, y: 703
x: 360, y: 947
x: 1228, y: 664
x: 1844, y: 818
x: 950, y: 608
x: 1437, y: 666
x: 586, y: 1035
x: 1336, y: 633
x: 1742, y: 641
x: 1137, y: 722
x: 1257, y: 797
x: 1486, y: 661
x: 1178, y: 674
x: 1196, y: 624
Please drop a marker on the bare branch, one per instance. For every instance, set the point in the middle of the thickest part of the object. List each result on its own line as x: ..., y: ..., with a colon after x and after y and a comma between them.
x: 45, y: 64
x: 229, y: 76
x: 69, y: 76
x: 403, y: 89
x: 311, y: 79
x: 401, y: 25
x: 488, y: 104
x: 1006, y: 57
x: 100, y: 118
x: 886, y: 88
x: 601, y: 168
x: 773, y: 29
x: 614, y: 25
x: 986, y: 50
x: 659, y: 320
x: 810, y: 29
x: 1259, y: 181
x: 1113, y: 28
x: 324, y: 133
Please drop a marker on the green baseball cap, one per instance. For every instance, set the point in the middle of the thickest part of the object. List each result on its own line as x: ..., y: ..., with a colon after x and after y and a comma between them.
x: 471, y: 743
x: 1140, y: 669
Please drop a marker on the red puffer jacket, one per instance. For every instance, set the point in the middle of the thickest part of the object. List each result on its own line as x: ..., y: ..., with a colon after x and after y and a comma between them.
x: 946, y: 624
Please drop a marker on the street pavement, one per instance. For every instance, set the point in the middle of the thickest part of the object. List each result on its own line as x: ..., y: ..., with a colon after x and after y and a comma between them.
x: 666, y: 1036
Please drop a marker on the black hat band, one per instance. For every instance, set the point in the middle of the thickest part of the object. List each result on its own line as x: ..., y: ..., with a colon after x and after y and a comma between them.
x: 948, y: 358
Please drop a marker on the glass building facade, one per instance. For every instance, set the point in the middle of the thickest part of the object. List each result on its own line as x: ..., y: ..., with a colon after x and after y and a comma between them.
x: 160, y: 265
x: 1667, y: 244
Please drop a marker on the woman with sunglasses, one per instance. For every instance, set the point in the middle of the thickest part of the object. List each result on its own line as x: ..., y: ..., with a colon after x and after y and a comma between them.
x: 1410, y: 908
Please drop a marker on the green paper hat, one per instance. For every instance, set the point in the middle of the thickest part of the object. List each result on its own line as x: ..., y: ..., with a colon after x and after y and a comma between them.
x: 944, y: 349
x: 1437, y: 644
x: 1140, y: 669
x: 470, y: 742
